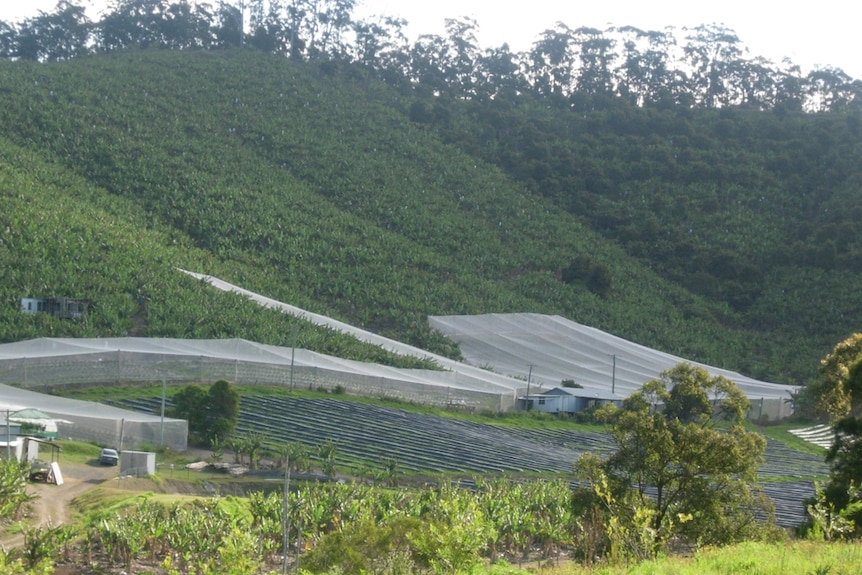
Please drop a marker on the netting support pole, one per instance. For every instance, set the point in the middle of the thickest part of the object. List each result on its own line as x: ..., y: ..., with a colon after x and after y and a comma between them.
x: 162, y: 427
x: 292, y: 356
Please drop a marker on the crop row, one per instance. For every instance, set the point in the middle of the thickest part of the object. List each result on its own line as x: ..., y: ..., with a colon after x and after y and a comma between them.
x: 421, y: 443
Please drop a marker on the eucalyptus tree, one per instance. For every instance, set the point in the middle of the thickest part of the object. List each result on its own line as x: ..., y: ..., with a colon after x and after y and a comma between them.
x: 710, y: 52
x: 501, y: 72
x: 269, y: 28
x: 178, y: 24
x: 228, y: 27
x: 58, y: 35
x: 461, y: 55
x: 754, y: 83
x: 829, y: 89
x: 8, y: 40
x: 789, y: 87
x: 649, y: 72
x: 188, y: 25
x: 318, y: 27
x: 427, y: 69
x: 133, y: 23
x: 638, y: 65
x: 380, y: 43
x: 552, y: 62
x: 595, y: 61
x: 335, y: 17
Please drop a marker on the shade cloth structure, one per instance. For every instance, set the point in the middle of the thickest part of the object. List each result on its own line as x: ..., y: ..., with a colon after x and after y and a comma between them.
x: 98, y: 423
x: 507, y: 355
x: 548, y: 349
x: 42, y: 364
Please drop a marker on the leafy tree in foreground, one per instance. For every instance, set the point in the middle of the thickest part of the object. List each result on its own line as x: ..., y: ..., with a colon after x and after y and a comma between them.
x: 838, y: 394
x: 13, y: 488
x: 833, y: 394
x: 679, y: 472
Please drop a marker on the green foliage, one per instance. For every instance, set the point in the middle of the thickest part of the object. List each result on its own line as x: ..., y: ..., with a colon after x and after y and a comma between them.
x: 454, y: 533
x: 42, y: 544
x: 15, y: 566
x: 827, y: 521
x: 367, y: 548
x: 595, y: 276
x: 838, y: 393
x: 675, y: 474
x: 307, y: 182
x: 327, y: 455
x: 13, y: 484
x: 212, y: 413
x: 222, y: 409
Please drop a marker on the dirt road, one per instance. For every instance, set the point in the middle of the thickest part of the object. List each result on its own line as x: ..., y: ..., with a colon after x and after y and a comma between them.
x: 53, y: 502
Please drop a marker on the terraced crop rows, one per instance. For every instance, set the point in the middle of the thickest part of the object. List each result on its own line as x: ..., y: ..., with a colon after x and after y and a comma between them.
x: 428, y: 444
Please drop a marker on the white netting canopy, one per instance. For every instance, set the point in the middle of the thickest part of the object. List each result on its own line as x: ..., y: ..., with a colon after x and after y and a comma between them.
x: 560, y: 349
x: 96, y: 422
x: 504, y: 354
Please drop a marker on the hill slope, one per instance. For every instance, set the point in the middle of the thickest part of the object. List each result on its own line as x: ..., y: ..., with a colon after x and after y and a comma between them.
x: 311, y: 184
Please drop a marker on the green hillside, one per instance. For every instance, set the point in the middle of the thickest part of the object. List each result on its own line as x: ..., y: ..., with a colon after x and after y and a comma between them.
x: 317, y: 185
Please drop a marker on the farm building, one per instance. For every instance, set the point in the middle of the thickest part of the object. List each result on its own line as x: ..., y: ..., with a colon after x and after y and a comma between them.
x: 62, y: 307
x: 567, y: 400
x: 35, y: 423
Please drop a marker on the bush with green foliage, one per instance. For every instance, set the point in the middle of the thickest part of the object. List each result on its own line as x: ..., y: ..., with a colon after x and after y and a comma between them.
x: 13, y: 487
x: 212, y: 413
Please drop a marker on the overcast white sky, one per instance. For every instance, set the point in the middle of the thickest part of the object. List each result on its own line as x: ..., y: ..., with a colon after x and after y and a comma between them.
x: 820, y: 33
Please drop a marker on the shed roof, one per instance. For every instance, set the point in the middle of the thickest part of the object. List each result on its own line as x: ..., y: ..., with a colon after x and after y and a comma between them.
x: 582, y: 392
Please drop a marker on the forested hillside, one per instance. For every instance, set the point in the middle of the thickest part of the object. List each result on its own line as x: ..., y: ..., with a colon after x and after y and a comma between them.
x: 379, y: 184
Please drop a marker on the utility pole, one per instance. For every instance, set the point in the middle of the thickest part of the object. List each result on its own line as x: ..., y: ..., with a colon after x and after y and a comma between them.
x: 285, y: 518
x: 292, y: 356
x: 8, y: 436
x: 614, y: 375
x: 529, y: 377
x: 162, y: 426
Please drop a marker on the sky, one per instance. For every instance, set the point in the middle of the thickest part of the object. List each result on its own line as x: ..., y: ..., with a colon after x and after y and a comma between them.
x: 818, y: 34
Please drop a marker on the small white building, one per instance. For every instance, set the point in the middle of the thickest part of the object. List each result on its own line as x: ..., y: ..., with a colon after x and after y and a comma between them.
x: 62, y: 307
x: 137, y: 463
x: 567, y: 400
x: 11, y: 444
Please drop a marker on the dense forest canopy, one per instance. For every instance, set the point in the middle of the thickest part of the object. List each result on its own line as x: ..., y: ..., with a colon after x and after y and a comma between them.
x: 663, y: 186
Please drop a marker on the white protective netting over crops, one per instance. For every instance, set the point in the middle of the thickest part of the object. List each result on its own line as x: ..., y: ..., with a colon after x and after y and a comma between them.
x: 556, y: 348
x: 99, y: 423
x: 559, y: 349
x: 45, y: 363
x: 499, y: 348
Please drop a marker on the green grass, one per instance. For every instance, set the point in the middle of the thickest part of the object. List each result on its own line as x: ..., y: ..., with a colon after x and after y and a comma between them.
x: 781, y: 432
x: 785, y: 558
x: 531, y: 420
x: 77, y: 451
